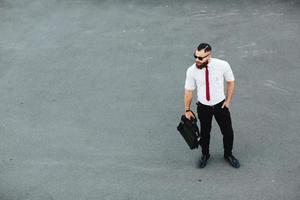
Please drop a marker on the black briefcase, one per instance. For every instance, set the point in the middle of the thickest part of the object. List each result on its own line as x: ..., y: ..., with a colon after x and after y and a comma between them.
x: 189, y: 131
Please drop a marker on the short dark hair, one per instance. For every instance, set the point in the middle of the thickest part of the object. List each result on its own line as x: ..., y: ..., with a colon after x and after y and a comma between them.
x: 204, y: 46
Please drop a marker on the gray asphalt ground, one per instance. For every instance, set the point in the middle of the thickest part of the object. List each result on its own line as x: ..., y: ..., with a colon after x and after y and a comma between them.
x: 92, y: 92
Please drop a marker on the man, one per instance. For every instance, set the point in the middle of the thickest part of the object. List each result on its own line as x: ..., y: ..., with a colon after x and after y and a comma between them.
x: 207, y: 75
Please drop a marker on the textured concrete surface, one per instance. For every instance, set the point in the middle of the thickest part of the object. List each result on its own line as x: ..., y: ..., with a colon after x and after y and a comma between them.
x: 92, y: 92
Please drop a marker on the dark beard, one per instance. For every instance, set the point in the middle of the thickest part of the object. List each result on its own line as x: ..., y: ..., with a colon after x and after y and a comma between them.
x: 202, y: 65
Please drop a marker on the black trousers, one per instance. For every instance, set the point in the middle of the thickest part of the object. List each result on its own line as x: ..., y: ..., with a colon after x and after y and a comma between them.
x: 222, y: 116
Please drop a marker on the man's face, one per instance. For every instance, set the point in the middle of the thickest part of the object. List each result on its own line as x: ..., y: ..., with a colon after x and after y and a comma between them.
x: 202, y: 58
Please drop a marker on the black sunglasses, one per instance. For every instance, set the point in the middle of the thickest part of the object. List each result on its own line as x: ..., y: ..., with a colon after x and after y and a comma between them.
x: 200, y: 58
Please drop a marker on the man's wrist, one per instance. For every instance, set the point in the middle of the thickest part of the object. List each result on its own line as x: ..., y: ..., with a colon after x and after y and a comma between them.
x: 188, y: 110
x: 228, y: 101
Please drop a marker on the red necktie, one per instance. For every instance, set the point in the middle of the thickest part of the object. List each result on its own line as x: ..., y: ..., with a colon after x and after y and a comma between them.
x: 207, y: 84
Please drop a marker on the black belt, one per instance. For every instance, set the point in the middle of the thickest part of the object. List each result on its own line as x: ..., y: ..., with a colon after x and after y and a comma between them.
x: 218, y: 104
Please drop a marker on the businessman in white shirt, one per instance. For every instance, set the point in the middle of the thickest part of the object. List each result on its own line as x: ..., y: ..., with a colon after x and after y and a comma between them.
x: 207, y: 75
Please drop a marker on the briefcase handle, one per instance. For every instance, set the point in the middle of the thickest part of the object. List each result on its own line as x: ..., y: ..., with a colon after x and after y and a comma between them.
x: 194, y: 115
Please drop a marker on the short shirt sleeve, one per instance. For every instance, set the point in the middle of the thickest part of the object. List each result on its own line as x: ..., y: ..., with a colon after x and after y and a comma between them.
x: 228, y: 75
x: 190, y: 83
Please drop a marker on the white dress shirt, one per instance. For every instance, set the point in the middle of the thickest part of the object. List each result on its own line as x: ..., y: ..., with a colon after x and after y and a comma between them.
x: 218, y: 71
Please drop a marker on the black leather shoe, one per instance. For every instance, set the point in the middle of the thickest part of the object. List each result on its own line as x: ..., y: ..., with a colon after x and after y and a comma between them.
x: 203, y: 161
x: 232, y: 161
